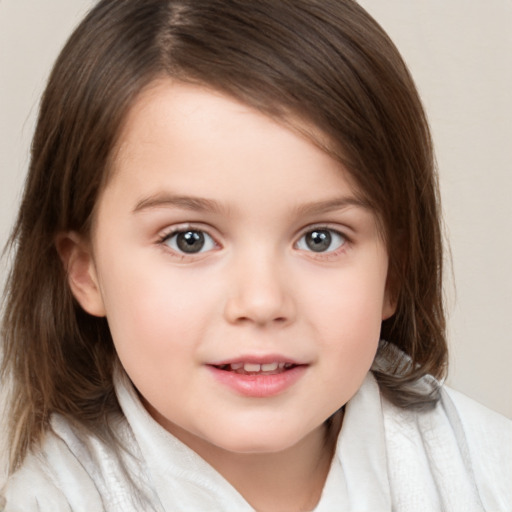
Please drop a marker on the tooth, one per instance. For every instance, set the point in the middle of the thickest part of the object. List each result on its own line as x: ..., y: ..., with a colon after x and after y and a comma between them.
x: 281, y: 365
x: 252, y: 367
x: 237, y: 366
x: 270, y: 367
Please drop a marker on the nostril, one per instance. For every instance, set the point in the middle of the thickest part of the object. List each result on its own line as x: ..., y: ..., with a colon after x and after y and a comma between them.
x: 259, y: 305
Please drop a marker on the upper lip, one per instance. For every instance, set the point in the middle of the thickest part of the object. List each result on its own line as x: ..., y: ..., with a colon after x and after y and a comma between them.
x: 257, y: 359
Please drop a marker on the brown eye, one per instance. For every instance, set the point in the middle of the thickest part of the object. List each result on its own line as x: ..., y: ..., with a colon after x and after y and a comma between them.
x: 190, y: 241
x: 321, y: 240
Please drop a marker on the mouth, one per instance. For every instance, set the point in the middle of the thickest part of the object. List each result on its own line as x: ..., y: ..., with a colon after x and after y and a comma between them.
x: 258, y: 377
x: 250, y: 368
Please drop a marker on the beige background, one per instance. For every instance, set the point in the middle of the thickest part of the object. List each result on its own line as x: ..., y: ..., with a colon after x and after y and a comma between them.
x: 460, y: 53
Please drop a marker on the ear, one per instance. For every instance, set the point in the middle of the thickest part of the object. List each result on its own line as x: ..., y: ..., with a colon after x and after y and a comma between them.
x: 77, y: 258
x: 390, y: 301
x: 389, y: 305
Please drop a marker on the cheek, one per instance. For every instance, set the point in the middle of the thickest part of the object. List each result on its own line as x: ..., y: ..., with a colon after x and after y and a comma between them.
x: 348, y: 317
x: 154, y: 310
x: 350, y: 300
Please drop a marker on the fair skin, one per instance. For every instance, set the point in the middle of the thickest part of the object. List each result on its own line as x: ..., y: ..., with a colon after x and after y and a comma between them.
x: 225, y: 239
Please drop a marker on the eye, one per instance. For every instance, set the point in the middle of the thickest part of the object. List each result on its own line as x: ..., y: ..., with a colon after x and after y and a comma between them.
x: 321, y: 240
x: 190, y: 241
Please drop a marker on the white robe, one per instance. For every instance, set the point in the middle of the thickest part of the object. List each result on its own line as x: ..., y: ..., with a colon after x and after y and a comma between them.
x: 456, y: 457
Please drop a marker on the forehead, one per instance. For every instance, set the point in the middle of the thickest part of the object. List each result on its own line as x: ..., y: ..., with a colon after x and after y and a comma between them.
x: 185, y: 113
x: 181, y: 140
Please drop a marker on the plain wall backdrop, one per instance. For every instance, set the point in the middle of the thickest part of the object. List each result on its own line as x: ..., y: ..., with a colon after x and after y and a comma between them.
x: 460, y: 54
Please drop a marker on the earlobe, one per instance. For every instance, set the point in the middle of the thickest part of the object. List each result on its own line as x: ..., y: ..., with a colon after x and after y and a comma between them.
x: 391, y: 295
x: 389, y: 306
x: 390, y: 302
x: 76, y: 256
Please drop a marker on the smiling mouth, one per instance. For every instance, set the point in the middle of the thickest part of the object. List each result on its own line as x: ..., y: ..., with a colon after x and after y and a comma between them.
x: 257, y: 377
x: 273, y: 368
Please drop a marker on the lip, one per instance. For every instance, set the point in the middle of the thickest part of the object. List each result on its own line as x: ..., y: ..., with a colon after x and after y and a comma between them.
x: 258, y: 359
x: 258, y: 385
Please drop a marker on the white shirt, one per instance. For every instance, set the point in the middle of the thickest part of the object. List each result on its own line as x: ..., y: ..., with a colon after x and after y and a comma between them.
x: 456, y: 457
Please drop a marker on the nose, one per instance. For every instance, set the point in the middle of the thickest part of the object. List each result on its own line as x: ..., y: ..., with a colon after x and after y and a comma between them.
x: 259, y: 293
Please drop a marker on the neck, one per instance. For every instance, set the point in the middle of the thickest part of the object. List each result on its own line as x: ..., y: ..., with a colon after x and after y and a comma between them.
x: 291, y: 480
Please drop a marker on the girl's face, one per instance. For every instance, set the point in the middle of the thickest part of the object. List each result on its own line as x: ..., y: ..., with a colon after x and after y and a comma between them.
x: 243, y: 281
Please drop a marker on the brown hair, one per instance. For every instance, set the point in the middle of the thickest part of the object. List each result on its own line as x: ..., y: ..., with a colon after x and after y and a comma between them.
x: 326, y: 61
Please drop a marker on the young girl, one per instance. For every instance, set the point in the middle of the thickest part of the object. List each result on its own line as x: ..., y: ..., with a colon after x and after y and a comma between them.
x: 230, y: 206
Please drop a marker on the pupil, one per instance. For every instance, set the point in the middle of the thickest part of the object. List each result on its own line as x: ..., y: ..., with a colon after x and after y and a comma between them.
x: 190, y: 241
x: 318, y: 241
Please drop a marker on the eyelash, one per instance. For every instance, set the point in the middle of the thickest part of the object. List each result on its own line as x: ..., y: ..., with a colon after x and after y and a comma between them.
x: 343, y: 241
x: 169, y: 235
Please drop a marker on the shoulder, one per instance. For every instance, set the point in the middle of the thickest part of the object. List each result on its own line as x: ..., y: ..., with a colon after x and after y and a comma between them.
x: 488, y: 438
x: 75, y: 471
x: 460, y: 443
x: 51, y: 478
x: 476, y: 418
x: 488, y: 435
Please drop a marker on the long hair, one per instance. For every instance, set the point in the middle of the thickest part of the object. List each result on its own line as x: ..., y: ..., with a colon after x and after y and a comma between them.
x: 325, y: 61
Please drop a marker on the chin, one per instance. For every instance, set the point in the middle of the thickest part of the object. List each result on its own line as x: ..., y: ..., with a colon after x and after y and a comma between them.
x: 258, y: 441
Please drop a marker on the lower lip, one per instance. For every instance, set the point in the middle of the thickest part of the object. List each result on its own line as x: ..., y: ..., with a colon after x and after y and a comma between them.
x: 259, y: 386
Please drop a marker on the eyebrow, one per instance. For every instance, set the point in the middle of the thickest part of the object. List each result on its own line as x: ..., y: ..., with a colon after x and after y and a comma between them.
x: 337, y: 203
x: 177, y: 201
x: 201, y: 204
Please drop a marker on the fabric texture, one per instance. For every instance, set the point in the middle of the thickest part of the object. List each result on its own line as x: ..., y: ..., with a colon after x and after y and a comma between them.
x: 456, y: 457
